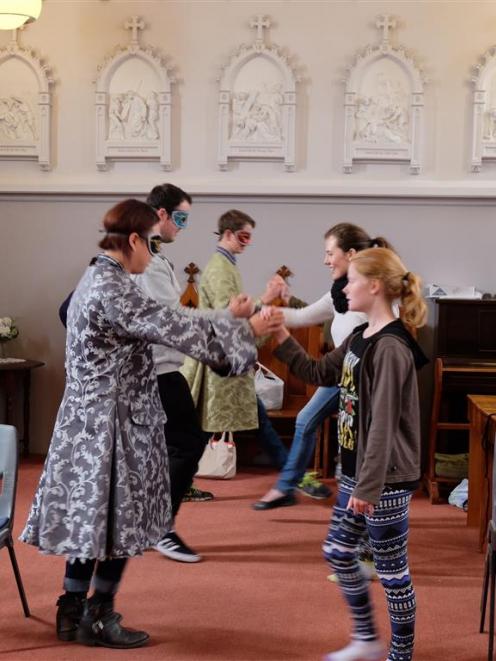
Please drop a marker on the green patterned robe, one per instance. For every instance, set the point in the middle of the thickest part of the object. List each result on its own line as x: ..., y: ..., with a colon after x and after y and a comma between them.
x: 224, y: 404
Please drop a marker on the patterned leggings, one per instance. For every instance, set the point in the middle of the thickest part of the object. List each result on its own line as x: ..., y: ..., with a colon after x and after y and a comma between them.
x: 388, y: 533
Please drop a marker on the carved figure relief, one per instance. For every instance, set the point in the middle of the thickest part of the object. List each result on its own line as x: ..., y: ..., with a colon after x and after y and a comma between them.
x: 133, y: 114
x: 257, y: 114
x: 257, y: 103
x: 132, y: 117
x: 383, y: 117
x: 17, y: 120
x: 383, y: 104
x: 484, y: 111
x: 25, y: 105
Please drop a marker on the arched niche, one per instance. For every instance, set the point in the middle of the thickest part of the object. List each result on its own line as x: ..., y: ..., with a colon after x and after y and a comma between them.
x: 384, y: 103
x: 484, y: 111
x: 133, y: 104
x: 25, y: 105
x: 257, y: 104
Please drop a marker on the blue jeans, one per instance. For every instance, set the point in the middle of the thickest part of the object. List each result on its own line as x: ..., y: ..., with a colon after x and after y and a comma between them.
x: 323, y: 403
x: 269, y: 438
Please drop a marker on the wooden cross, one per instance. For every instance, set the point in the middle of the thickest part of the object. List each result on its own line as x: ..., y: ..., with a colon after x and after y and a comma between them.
x: 192, y: 269
x: 15, y: 35
x: 385, y: 23
x: 284, y: 272
x: 260, y: 22
x: 134, y: 24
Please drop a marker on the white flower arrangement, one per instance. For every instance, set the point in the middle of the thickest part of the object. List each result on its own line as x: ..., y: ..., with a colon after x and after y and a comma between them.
x: 8, y: 329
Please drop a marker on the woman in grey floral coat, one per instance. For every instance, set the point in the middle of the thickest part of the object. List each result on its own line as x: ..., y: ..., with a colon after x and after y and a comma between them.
x: 104, y: 492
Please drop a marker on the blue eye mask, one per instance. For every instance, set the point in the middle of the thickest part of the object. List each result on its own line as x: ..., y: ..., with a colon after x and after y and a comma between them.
x: 180, y: 219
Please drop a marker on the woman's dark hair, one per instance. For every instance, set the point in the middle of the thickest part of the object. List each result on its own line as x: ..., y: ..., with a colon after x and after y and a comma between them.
x: 233, y: 220
x: 349, y: 236
x: 125, y: 218
x: 168, y: 197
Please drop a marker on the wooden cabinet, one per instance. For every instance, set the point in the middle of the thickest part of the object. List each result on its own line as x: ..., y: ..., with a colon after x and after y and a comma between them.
x: 465, y: 363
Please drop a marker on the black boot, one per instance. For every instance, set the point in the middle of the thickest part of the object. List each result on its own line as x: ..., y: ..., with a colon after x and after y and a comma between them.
x: 100, y: 625
x: 69, y: 613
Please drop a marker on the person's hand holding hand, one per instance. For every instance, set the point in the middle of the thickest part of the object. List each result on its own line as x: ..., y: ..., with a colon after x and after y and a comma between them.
x: 285, y: 294
x: 241, y: 306
x: 273, y: 289
x: 267, y: 321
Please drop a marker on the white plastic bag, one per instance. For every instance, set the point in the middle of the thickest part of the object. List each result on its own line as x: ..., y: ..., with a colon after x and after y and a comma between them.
x: 219, y: 458
x: 269, y: 387
x: 459, y: 495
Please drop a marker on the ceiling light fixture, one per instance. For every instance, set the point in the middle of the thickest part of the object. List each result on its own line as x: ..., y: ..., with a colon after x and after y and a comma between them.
x: 14, y: 13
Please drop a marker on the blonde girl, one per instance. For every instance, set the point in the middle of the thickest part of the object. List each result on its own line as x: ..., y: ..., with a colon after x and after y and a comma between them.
x: 379, y: 434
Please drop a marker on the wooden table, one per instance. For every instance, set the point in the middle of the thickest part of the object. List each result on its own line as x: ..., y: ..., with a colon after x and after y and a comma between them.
x: 12, y: 376
x: 481, y: 408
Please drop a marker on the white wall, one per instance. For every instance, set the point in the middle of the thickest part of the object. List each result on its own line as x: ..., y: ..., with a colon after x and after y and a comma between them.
x: 442, y: 222
x: 198, y: 36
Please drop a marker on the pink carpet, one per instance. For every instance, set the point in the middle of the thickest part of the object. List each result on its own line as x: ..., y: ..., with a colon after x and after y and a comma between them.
x: 261, y: 592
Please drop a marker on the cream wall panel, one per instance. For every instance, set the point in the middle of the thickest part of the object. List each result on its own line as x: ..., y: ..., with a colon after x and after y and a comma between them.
x: 199, y: 36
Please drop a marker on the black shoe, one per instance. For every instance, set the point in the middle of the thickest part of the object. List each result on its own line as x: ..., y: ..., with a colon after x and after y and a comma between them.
x: 69, y: 612
x: 282, y: 501
x: 194, y: 495
x: 100, y: 625
x: 173, y: 547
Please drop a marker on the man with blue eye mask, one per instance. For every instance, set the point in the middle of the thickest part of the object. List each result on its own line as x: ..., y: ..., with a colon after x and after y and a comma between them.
x: 184, y: 436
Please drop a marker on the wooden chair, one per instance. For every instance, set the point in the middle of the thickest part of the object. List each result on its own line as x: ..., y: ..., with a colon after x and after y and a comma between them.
x: 296, y: 393
x: 9, y: 462
x: 189, y: 297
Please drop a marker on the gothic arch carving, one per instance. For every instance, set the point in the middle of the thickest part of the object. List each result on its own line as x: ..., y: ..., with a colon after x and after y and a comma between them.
x: 384, y: 105
x: 133, y: 104
x: 25, y: 105
x: 484, y: 110
x: 257, y: 104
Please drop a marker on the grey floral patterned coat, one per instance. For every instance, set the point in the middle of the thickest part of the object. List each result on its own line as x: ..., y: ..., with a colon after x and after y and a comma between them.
x: 104, y: 490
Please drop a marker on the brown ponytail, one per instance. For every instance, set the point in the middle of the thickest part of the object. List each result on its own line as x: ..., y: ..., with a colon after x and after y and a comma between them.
x: 352, y: 237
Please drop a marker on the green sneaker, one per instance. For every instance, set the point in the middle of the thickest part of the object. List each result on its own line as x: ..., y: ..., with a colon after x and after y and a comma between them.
x: 310, y: 486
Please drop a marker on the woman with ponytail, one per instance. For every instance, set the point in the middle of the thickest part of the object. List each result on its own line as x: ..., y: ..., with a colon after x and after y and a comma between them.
x: 342, y: 242
x: 379, y: 436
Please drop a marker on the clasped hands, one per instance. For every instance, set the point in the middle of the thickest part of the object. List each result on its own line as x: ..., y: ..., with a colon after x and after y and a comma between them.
x: 269, y: 321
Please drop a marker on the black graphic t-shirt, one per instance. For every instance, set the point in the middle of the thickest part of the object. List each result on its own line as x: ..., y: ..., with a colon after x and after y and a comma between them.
x: 348, y: 404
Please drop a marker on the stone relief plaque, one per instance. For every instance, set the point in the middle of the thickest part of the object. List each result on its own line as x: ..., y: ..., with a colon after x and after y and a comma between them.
x: 25, y: 105
x: 257, y: 104
x: 133, y: 104
x: 484, y: 111
x: 384, y: 102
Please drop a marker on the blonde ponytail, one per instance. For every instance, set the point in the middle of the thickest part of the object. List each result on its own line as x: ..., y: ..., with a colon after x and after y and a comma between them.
x: 383, y: 264
x: 413, y: 307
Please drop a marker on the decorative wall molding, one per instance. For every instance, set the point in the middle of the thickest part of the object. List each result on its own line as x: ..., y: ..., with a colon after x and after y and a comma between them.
x: 384, y: 104
x: 257, y: 103
x: 133, y: 104
x: 25, y: 105
x: 484, y: 110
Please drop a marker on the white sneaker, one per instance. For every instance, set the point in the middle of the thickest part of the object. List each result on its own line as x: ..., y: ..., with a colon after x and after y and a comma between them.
x: 173, y: 547
x: 367, y: 568
x: 359, y: 650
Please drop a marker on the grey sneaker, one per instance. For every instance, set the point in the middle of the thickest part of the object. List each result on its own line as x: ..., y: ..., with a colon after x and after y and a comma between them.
x: 310, y: 486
